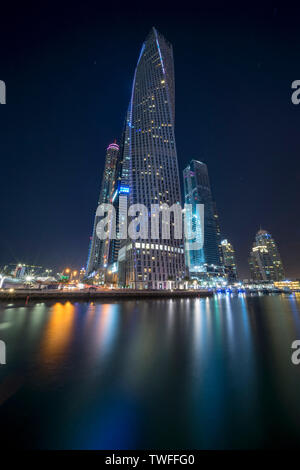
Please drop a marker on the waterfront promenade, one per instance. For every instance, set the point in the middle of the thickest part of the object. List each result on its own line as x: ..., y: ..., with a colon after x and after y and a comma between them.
x: 87, y: 294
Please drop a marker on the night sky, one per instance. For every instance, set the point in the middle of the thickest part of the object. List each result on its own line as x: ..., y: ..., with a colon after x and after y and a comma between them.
x: 68, y: 69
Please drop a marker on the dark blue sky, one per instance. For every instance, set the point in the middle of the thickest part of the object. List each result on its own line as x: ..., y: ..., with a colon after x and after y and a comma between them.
x: 68, y: 68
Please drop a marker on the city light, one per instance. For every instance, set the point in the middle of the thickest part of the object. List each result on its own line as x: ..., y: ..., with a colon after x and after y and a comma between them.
x: 124, y: 189
x: 175, y: 326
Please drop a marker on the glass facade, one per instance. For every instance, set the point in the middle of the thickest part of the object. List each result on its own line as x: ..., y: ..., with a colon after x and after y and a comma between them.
x: 197, y: 190
x: 150, y: 167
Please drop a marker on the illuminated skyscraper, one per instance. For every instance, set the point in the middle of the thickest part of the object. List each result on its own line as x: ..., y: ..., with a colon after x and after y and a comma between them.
x: 99, y: 251
x: 150, y: 167
x: 228, y: 260
x: 197, y: 190
x: 264, y: 261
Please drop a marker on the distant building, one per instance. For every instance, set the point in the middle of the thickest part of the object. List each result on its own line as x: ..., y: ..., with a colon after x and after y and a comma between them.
x: 99, y: 250
x: 205, y: 262
x: 82, y: 273
x: 228, y: 260
x: 20, y: 271
x: 121, y: 188
x: 264, y: 261
x: 288, y: 285
x: 24, y: 271
x: 218, y: 228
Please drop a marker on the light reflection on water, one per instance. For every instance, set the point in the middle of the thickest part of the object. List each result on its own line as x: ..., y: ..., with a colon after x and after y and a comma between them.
x: 180, y: 373
x: 57, y: 334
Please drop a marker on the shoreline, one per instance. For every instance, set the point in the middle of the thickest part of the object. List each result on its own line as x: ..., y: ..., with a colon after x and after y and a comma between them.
x: 29, y: 295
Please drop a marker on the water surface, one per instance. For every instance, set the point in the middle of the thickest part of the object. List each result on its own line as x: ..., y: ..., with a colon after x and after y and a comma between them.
x: 185, y: 373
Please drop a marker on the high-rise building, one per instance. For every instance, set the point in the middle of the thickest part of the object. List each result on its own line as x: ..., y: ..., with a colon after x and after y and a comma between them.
x: 203, y: 262
x: 219, y: 234
x: 112, y: 274
x: 218, y: 228
x: 150, y: 168
x: 99, y: 250
x: 228, y: 260
x: 264, y: 261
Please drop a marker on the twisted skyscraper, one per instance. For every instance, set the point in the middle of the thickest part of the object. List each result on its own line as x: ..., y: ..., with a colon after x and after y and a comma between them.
x: 150, y: 168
